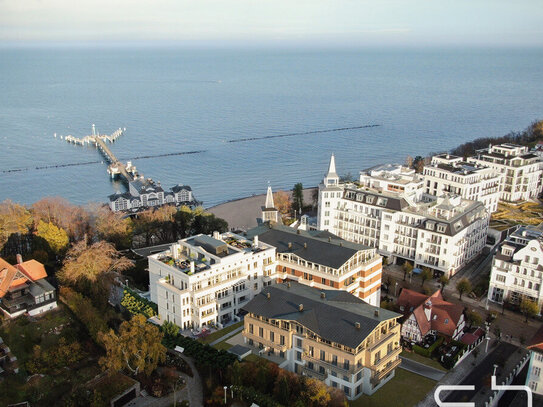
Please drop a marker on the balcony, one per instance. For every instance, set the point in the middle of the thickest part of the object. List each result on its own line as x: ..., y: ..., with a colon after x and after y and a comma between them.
x: 311, y: 373
x: 338, y: 368
x: 389, y: 357
x: 378, y: 375
x: 384, y: 338
x: 265, y: 342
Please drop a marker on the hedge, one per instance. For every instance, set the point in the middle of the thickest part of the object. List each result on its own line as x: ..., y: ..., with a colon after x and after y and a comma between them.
x: 135, y: 304
x: 203, y: 353
x: 428, y: 352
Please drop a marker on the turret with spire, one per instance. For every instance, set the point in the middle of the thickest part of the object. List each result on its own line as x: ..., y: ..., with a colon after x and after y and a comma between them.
x: 331, y: 178
x: 269, y: 213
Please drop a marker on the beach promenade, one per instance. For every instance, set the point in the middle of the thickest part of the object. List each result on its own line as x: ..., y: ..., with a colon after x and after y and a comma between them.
x: 243, y: 213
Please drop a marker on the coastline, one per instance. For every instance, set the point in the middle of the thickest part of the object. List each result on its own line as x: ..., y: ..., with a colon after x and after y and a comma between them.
x: 242, y: 213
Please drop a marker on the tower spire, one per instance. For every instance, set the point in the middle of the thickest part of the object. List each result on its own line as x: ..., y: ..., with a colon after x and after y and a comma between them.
x: 269, y: 198
x: 332, y: 167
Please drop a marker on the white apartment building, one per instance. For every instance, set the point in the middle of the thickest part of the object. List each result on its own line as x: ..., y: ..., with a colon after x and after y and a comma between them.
x: 534, y: 378
x: 204, y: 280
x: 387, y: 209
x: 451, y: 174
x: 516, y: 268
x: 521, y: 170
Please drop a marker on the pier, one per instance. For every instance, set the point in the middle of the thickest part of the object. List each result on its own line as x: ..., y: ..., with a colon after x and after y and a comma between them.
x: 115, y: 167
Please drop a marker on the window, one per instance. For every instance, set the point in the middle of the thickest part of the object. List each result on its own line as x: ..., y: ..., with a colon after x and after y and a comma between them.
x: 282, y: 340
x: 311, y: 351
x: 334, y: 360
x: 298, y: 343
x: 359, y: 376
x: 321, y: 370
x: 536, y: 371
x: 299, y: 356
x: 272, y: 336
x: 323, y: 355
x: 377, y: 357
x: 533, y: 386
x: 346, y: 364
x: 261, y: 332
x: 345, y: 378
x: 347, y: 390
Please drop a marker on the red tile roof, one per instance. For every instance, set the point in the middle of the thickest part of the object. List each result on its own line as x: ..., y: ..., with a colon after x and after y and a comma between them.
x: 32, y: 269
x: 444, y: 316
x: 10, y: 277
x: 536, y: 343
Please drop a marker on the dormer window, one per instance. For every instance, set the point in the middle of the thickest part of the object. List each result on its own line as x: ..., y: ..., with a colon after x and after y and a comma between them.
x: 441, y: 228
x: 446, y: 320
x: 430, y: 225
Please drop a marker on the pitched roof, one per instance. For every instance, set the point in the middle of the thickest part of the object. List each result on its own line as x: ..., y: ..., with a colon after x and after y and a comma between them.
x: 536, y: 343
x: 32, y: 269
x: 333, y: 317
x: 10, y: 277
x: 444, y: 315
x: 331, y: 252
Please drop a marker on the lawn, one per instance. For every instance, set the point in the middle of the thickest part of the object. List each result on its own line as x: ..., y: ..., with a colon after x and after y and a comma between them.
x: 223, y: 345
x: 219, y: 334
x: 22, y: 334
x: 529, y: 213
x: 424, y: 360
x: 406, y: 389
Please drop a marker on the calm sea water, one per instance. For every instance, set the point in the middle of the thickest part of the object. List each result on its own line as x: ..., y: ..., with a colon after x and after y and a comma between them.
x: 175, y: 100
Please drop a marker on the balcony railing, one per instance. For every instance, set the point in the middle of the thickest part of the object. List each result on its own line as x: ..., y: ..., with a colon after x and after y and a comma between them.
x: 265, y: 342
x: 383, y: 372
x: 383, y: 339
x: 340, y: 367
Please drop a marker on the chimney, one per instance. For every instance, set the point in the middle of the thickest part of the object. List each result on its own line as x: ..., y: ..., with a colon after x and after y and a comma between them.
x: 216, y: 235
x: 357, y: 325
x: 268, y: 296
x: 301, y: 307
x: 192, y: 267
x: 255, y: 241
x: 298, y: 231
x: 340, y: 244
x: 376, y: 312
x: 329, y: 239
x: 19, y: 259
x: 323, y: 295
x: 288, y: 284
x: 305, y: 245
x: 290, y: 245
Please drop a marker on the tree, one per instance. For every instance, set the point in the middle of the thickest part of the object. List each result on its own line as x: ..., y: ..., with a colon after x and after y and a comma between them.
x: 418, y: 164
x: 137, y: 347
x: 170, y: 330
x: 282, y: 202
x: 444, y: 280
x: 529, y: 308
x: 298, y: 197
x: 113, y: 227
x: 56, y: 238
x: 409, y: 161
x: 14, y: 219
x: 473, y: 318
x: 426, y: 274
x: 91, y: 262
x: 407, y: 270
x: 316, y: 392
x: 72, y: 218
x: 463, y: 286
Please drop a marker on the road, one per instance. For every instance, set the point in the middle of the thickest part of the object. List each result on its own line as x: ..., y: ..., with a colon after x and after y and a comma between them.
x: 421, y: 369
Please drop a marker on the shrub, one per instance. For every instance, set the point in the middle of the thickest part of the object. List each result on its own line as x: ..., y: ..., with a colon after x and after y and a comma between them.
x: 83, y: 310
x: 135, y: 304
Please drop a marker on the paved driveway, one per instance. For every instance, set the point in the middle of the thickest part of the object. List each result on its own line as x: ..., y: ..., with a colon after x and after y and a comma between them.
x: 421, y: 369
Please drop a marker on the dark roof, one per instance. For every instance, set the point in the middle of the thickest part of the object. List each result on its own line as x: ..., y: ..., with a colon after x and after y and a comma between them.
x: 210, y: 245
x: 390, y: 202
x: 178, y: 188
x: 332, y: 318
x: 239, y: 350
x: 319, y: 250
x: 118, y: 195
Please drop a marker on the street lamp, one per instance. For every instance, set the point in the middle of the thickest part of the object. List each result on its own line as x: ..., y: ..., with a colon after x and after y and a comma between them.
x: 232, y: 391
x: 126, y: 283
x: 225, y: 387
x: 495, y: 367
x: 395, y: 288
x: 487, y: 340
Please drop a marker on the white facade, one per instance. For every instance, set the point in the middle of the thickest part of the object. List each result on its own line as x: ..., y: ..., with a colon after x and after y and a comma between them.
x: 148, y: 194
x: 205, y: 280
x: 451, y: 174
x: 521, y: 170
x: 388, y: 210
x: 516, y: 268
x: 534, y: 379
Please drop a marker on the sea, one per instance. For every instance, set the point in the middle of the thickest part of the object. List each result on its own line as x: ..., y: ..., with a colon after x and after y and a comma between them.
x: 228, y: 122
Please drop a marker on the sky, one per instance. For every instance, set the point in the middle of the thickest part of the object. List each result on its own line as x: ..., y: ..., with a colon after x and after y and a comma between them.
x: 285, y: 22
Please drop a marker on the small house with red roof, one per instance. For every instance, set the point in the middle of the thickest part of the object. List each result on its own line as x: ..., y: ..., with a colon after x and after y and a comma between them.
x: 425, y: 315
x: 24, y: 288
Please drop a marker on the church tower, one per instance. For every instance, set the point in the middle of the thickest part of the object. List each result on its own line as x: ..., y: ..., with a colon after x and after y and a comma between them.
x: 330, y: 192
x: 269, y: 213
